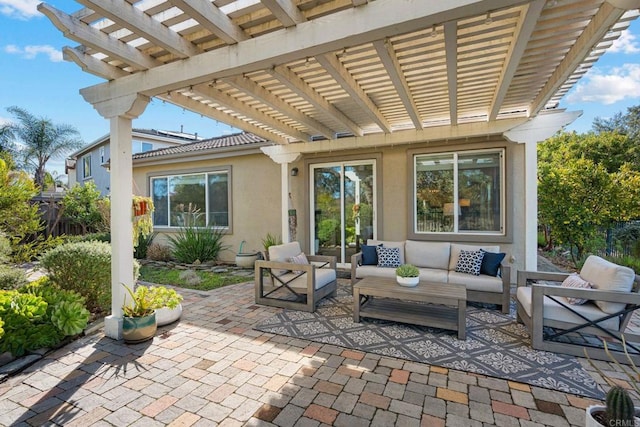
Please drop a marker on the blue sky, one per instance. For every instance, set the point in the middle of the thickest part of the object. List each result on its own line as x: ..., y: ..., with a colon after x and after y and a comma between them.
x: 34, y: 76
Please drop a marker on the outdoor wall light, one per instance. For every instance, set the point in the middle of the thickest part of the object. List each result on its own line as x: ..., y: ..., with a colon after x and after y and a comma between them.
x: 294, y: 172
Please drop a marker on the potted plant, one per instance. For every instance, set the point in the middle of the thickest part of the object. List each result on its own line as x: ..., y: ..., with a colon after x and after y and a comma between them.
x: 619, y: 409
x: 407, y: 275
x: 142, y: 222
x: 268, y: 241
x: 139, y: 314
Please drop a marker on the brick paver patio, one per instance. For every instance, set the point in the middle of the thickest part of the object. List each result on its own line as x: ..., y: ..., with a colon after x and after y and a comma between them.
x: 212, y: 368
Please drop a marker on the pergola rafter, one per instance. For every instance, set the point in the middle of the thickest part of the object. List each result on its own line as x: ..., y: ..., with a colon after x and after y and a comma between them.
x: 376, y: 68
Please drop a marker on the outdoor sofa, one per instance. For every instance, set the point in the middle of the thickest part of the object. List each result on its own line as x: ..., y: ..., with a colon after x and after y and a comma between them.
x: 438, y: 262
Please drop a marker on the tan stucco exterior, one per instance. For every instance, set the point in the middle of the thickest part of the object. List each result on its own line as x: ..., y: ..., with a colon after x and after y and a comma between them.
x: 256, y: 193
x: 255, y: 196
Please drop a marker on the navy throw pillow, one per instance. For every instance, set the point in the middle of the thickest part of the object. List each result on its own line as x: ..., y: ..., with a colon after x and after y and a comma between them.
x: 491, y: 263
x: 369, y: 255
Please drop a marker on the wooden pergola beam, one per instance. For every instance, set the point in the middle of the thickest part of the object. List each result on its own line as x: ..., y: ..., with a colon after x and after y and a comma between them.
x: 285, y: 11
x: 77, y: 30
x: 143, y: 25
x: 213, y: 19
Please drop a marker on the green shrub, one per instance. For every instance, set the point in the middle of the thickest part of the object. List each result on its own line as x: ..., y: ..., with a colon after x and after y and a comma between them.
x: 11, y: 277
x: 83, y: 267
x: 328, y: 231
x: 197, y: 244
x: 159, y: 252
x: 98, y: 237
x: 39, y: 315
x: 29, y: 250
x: 5, y: 248
x: 629, y: 237
x: 144, y: 241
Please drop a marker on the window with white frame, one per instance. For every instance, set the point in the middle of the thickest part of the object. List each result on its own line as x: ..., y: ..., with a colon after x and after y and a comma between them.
x: 141, y: 147
x: 195, y: 199
x: 86, y: 166
x: 459, y: 192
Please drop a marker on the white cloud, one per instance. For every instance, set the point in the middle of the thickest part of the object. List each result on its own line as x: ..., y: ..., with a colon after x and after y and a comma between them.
x: 21, y: 9
x: 4, y: 121
x: 31, y: 51
x: 626, y: 43
x: 621, y: 83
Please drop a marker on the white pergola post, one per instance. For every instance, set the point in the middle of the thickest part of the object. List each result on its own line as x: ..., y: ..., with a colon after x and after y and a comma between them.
x: 120, y: 112
x: 284, y: 160
x: 531, y: 206
x: 535, y: 130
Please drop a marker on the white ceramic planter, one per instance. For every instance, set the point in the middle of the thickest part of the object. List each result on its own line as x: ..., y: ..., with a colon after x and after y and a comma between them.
x: 246, y: 260
x: 591, y: 422
x: 407, y: 281
x: 165, y: 315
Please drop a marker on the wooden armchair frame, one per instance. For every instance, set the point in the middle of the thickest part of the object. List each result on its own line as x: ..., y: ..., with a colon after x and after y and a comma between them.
x: 536, y: 322
x: 272, y: 270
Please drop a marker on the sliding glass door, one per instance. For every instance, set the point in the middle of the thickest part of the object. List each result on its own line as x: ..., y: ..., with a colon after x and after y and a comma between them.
x: 342, y: 207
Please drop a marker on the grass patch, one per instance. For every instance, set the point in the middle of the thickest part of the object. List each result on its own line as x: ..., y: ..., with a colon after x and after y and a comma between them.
x: 189, y: 279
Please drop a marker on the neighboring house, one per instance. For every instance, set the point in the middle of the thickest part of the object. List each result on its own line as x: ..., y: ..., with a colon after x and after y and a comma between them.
x: 90, y: 163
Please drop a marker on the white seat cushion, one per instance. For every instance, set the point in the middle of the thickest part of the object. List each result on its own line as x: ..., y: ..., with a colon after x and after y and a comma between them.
x: 482, y: 282
x: 324, y: 276
x: 554, y: 311
x: 433, y: 275
x: 607, y: 276
x: 374, y: 271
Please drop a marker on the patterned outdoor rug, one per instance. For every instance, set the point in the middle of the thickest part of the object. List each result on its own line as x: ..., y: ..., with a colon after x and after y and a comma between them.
x: 496, y: 345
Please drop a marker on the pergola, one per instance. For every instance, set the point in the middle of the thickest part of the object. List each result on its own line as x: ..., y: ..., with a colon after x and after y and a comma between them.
x: 330, y: 75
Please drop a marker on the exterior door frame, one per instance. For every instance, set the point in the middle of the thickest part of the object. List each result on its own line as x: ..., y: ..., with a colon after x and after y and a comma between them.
x: 374, y: 161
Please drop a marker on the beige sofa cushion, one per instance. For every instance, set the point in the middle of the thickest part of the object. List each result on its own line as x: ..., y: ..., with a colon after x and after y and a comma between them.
x: 608, y: 276
x: 426, y: 274
x: 482, y: 282
x: 284, y: 253
x: 428, y: 254
x: 389, y: 244
x: 456, y: 248
x: 554, y: 311
x: 324, y: 276
x: 374, y: 271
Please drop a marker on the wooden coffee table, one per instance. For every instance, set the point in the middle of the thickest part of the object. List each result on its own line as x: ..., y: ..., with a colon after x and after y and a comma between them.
x: 383, y: 298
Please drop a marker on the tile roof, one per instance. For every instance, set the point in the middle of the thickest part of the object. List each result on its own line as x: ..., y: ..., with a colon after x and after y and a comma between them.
x: 227, y: 141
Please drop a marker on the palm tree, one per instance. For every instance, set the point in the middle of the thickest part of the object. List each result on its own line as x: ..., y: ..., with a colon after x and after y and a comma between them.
x: 41, y: 140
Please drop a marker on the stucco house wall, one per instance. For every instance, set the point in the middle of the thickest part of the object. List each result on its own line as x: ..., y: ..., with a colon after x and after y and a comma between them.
x: 395, y: 192
x: 255, y: 197
x: 256, y: 193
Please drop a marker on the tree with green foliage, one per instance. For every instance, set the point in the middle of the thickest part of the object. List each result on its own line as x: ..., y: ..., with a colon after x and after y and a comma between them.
x: 18, y: 218
x: 40, y: 141
x: 627, y: 124
x: 81, y: 206
x: 580, y: 189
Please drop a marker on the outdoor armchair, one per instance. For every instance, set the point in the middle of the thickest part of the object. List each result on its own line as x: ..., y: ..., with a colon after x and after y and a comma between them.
x: 283, y: 281
x: 558, y: 325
